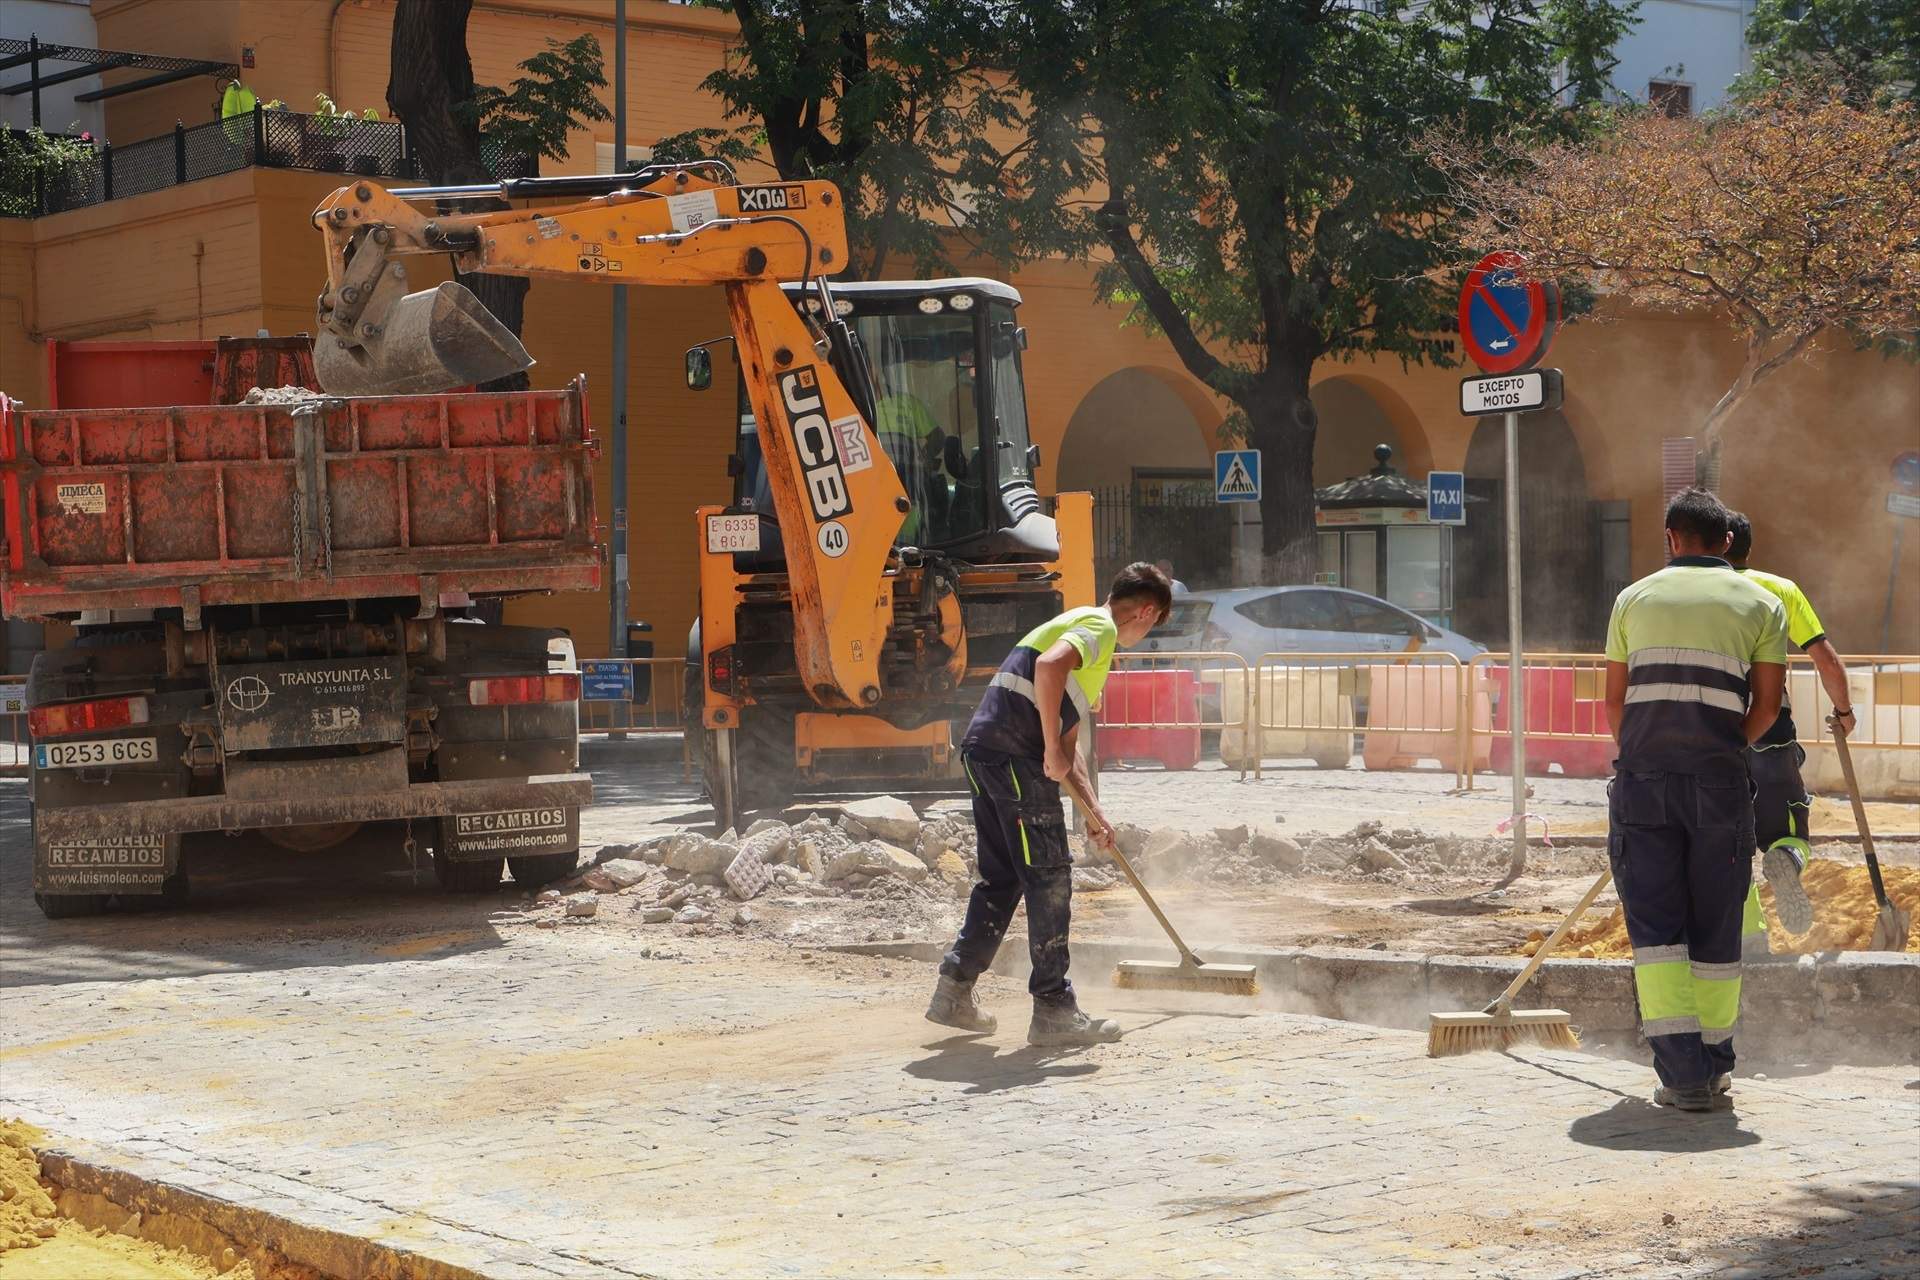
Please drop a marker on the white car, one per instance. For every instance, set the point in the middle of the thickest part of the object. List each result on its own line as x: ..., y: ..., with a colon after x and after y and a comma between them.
x: 1251, y: 621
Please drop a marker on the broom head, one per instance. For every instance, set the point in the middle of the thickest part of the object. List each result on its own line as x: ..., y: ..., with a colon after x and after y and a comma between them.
x: 1178, y: 975
x: 1450, y: 1034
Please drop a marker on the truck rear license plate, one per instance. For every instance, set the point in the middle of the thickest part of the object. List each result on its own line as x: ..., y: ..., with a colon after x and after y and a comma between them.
x: 97, y: 751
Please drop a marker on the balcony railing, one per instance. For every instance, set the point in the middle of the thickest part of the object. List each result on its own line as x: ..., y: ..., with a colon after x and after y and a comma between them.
x: 265, y: 139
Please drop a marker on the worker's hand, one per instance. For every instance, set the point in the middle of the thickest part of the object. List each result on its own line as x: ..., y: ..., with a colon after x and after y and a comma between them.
x: 1059, y: 762
x: 1842, y: 722
x: 1100, y: 832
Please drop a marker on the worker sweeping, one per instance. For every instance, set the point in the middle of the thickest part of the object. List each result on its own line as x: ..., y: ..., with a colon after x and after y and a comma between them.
x: 1019, y: 748
x: 1780, y: 802
x: 1696, y: 664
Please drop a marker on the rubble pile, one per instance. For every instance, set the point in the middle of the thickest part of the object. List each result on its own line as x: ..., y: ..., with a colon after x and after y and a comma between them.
x: 1243, y: 855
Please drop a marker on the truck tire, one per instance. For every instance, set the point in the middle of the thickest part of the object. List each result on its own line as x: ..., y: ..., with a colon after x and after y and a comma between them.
x: 174, y: 891
x: 67, y: 906
x: 481, y: 876
x: 538, y: 869
x: 765, y: 743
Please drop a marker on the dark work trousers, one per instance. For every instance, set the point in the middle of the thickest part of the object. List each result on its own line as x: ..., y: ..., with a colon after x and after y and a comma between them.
x: 1681, y: 846
x: 1023, y: 852
x: 1779, y: 796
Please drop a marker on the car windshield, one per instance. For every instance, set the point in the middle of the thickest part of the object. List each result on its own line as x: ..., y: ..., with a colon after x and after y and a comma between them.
x: 1187, y: 617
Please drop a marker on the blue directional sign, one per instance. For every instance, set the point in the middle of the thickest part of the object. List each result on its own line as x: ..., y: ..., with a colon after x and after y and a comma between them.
x: 1236, y: 475
x: 606, y: 682
x: 1446, y: 497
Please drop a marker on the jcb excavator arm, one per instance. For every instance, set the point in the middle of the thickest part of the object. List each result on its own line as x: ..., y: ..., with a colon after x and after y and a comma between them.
x: 837, y: 496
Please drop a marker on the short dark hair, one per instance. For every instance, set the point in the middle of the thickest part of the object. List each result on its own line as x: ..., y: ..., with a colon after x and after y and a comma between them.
x: 1143, y: 581
x: 1742, y: 538
x: 1695, y: 513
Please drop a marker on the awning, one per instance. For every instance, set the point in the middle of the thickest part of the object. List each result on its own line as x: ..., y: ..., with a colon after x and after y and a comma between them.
x: 77, y: 63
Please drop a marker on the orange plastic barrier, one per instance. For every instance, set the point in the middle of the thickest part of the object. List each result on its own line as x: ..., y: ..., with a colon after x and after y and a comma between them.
x: 1413, y: 714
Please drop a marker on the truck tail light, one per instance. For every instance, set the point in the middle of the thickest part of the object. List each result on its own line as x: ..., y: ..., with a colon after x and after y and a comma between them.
x: 720, y: 670
x: 500, y: 691
x: 86, y: 717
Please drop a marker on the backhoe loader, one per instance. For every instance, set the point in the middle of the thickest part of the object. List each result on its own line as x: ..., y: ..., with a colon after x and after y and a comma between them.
x: 885, y: 546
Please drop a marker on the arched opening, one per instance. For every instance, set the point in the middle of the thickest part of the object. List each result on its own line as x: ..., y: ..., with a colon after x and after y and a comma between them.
x: 1356, y: 413
x: 1140, y: 442
x: 1565, y: 601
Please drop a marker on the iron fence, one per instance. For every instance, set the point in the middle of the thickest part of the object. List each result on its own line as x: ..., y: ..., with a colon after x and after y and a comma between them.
x: 261, y: 138
x: 1183, y: 526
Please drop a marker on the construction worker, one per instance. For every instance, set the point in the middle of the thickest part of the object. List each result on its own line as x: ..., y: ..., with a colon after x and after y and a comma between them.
x: 912, y: 438
x: 1780, y: 801
x: 1696, y: 662
x: 1021, y: 744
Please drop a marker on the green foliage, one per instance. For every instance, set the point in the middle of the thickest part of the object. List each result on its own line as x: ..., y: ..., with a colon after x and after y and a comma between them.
x: 23, y: 158
x: 1871, y: 48
x: 329, y: 118
x: 536, y: 113
x: 893, y: 103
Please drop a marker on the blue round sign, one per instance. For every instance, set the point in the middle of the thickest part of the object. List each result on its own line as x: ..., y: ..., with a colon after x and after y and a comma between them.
x: 1507, y: 318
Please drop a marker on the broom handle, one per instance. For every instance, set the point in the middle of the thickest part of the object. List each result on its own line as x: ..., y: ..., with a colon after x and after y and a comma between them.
x: 1859, y: 809
x: 1080, y: 798
x: 1505, y: 998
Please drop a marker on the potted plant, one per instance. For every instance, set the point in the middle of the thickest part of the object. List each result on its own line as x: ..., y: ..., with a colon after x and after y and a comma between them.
x: 328, y: 130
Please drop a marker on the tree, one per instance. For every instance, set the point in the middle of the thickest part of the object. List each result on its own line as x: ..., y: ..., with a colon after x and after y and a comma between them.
x: 1869, y: 48
x: 893, y: 103
x: 1788, y: 217
x: 431, y: 90
x: 1249, y: 173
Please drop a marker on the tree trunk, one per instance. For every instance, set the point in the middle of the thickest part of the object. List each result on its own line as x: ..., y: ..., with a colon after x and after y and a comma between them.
x: 1283, y: 425
x: 430, y: 78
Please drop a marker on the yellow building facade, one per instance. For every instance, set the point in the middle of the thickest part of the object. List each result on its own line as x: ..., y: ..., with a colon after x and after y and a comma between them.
x: 1110, y: 405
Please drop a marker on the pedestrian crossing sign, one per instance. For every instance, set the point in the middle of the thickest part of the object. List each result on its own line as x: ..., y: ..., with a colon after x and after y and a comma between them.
x: 1236, y: 475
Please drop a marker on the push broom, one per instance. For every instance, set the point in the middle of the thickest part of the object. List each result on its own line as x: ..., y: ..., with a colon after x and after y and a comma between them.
x: 1189, y: 972
x: 1500, y: 1025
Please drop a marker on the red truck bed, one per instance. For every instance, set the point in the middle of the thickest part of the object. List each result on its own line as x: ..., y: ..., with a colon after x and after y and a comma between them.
x: 190, y: 506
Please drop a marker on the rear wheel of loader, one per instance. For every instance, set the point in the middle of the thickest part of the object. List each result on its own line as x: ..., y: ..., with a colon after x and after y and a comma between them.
x: 538, y: 869
x: 765, y: 746
x: 67, y: 906
x: 479, y: 876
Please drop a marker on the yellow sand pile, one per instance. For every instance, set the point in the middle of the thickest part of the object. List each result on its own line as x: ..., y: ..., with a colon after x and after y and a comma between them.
x: 1843, y: 913
x: 36, y: 1243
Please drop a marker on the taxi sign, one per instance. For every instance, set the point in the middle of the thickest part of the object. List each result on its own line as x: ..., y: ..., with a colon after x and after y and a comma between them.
x: 1507, y: 318
x: 1446, y: 497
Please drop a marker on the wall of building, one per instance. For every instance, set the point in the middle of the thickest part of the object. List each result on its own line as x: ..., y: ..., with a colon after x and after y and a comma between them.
x: 68, y: 22
x: 1699, y: 43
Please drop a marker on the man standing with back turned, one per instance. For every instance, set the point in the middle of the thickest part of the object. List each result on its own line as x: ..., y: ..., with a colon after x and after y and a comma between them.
x: 1018, y: 750
x: 1780, y: 802
x: 1696, y: 662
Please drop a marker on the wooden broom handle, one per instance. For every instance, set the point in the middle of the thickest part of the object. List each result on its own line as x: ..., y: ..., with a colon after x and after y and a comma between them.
x: 1113, y: 849
x: 1505, y: 998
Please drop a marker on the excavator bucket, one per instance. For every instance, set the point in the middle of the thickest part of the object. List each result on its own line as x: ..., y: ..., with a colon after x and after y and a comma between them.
x: 427, y: 342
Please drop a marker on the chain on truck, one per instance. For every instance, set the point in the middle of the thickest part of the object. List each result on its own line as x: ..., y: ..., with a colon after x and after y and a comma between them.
x: 275, y: 624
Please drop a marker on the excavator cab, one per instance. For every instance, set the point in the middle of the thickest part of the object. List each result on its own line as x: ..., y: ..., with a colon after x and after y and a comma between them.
x: 949, y: 409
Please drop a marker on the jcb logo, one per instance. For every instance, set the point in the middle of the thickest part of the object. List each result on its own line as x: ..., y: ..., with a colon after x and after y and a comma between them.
x: 820, y: 471
x: 772, y: 199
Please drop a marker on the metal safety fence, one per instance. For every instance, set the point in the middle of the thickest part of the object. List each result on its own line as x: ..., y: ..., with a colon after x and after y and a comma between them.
x: 1397, y: 711
x: 15, y: 740
x: 632, y: 695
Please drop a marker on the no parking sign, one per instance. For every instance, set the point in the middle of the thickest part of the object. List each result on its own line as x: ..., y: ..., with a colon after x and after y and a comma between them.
x: 1507, y: 318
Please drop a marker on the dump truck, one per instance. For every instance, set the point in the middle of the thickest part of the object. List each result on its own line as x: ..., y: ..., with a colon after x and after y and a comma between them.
x: 276, y: 625
x: 885, y: 546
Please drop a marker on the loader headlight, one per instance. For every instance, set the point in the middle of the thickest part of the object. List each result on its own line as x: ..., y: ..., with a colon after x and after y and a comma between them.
x: 961, y: 302
x: 932, y: 306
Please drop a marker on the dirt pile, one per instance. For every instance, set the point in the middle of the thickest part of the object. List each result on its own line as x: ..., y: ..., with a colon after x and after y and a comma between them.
x: 280, y: 395
x: 37, y: 1242
x: 1843, y: 913
x: 1258, y: 856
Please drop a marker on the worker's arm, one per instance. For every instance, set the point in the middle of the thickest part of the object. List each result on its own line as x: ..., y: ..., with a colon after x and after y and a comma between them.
x: 1766, y: 681
x: 1050, y: 676
x: 1099, y: 829
x: 1833, y: 678
x: 1616, y: 697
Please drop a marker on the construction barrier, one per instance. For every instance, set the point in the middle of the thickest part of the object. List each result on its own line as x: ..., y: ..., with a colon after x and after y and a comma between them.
x: 1164, y: 706
x: 1566, y: 713
x: 654, y: 705
x: 1292, y: 709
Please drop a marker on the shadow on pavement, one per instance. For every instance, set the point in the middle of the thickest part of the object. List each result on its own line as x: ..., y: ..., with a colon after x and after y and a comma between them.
x: 1632, y: 1124
x: 1864, y: 1229
x: 977, y: 1064
x: 1468, y: 906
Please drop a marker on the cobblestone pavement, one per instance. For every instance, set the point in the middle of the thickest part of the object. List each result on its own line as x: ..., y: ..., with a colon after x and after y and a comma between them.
x: 584, y: 1102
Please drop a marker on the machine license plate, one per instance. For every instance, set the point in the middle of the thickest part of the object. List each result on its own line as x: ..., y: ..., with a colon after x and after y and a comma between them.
x: 733, y: 533
x: 97, y: 751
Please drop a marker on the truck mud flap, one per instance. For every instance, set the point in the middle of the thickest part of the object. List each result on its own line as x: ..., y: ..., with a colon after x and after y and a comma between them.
x: 103, y: 863
x: 512, y: 833
x: 223, y: 813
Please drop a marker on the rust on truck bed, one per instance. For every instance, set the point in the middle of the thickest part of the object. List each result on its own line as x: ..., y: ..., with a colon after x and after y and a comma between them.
x: 192, y: 506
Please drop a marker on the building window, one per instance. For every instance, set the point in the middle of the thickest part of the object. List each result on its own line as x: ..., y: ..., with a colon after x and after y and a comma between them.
x: 603, y: 156
x: 1670, y: 97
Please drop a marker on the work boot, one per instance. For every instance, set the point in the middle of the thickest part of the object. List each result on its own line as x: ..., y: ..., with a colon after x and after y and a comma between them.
x: 1782, y: 868
x: 1697, y: 1098
x: 952, y: 1006
x: 1058, y: 1025
x: 1723, y: 1084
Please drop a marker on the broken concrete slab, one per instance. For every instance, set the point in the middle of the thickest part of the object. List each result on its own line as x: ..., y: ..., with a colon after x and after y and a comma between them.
x: 887, y: 817
x: 583, y: 906
x: 699, y: 855
x: 1275, y: 849
x: 623, y: 872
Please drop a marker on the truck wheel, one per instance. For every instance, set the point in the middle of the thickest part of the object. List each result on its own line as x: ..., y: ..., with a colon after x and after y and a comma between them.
x: 66, y: 906
x: 172, y: 896
x: 482, y: 876
x: 765, y: 744
x: 538, y: 869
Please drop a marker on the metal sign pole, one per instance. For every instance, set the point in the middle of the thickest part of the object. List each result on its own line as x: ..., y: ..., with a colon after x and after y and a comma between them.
x: 1516, y: 692
x: 1893, y: 579
x: 617, y: 597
